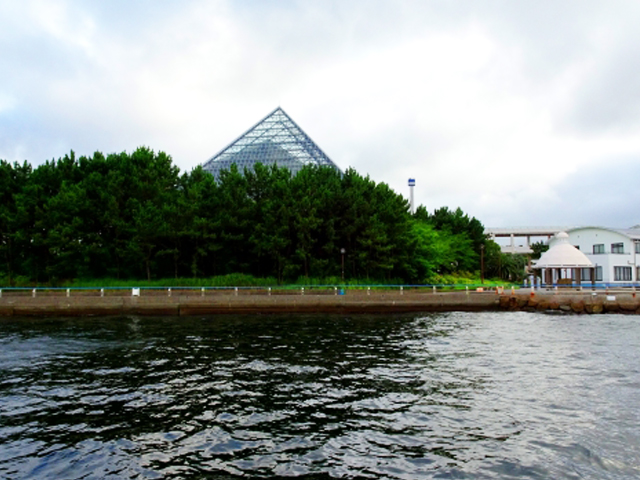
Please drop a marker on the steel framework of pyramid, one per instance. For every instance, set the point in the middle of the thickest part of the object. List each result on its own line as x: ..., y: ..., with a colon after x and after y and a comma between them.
x: 276, y: 139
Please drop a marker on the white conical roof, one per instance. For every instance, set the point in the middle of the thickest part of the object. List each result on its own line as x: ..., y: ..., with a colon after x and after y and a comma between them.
x: 563, y: 255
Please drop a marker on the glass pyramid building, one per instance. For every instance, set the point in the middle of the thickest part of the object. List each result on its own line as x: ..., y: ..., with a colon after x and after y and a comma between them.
x: 276, y: 139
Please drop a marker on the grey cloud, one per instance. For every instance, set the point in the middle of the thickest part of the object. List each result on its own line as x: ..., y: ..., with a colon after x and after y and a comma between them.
x: 609, y: 99
x: 605, y: 194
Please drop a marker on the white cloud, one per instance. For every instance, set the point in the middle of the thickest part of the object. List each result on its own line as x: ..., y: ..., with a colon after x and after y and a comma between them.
x: 7, y: 103
x: 495, y: 107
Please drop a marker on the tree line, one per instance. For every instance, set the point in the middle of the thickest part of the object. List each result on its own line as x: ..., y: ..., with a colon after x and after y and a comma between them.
x: 135, y: 216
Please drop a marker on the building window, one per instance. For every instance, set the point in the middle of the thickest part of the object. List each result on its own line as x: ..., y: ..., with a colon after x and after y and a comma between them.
x: 598, y: 274
x: 621, y: 274
x: 577, y: 247
x: 599, y: 248
x: 585, y: 274
x: 637, y: 247
x: 617, y: 248
x: 637, y: 273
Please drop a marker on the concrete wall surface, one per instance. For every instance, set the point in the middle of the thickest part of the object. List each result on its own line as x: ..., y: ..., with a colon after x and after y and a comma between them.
x: 353, y: 302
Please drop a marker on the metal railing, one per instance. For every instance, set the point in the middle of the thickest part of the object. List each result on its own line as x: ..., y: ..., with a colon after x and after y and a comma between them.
x: 337, y: 289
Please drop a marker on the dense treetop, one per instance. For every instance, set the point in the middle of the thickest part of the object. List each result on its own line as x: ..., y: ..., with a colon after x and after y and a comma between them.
x: 134, y: 216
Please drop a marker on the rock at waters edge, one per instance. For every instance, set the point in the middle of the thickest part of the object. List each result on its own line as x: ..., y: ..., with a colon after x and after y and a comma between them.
x: 578, y: 306
x: 543, y: 305
x: 628, y: 306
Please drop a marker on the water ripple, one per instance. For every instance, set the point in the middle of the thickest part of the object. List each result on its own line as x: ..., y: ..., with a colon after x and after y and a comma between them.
x: 492, y: 395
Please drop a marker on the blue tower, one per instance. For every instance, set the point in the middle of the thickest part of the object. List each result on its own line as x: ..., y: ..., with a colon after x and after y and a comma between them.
x: 412, y: 183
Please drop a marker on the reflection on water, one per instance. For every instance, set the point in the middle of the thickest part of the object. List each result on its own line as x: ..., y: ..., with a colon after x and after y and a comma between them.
x: 491, y: 395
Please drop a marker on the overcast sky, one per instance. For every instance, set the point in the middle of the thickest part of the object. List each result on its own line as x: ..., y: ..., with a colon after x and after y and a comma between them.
x: 519, y: 112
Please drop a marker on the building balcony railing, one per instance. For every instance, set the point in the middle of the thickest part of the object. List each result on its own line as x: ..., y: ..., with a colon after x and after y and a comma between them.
x: 607, y: 253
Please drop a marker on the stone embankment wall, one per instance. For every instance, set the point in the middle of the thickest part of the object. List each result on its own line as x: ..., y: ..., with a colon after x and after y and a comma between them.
x: 354, y: 301
x: 579, y: 302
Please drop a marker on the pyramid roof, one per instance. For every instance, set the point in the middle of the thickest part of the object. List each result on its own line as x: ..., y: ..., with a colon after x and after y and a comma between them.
x: 274, y: 140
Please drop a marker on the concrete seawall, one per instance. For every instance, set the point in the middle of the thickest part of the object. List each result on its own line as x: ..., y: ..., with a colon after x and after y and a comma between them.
x: 353, y: 302
x: 255, y: 304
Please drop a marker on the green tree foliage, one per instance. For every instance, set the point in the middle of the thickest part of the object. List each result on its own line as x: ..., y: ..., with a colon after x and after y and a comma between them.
x: 459, y: 238
x: 134, y: 216
x: 538, y: 249
x: 506, y: 266
x: 12, y: 182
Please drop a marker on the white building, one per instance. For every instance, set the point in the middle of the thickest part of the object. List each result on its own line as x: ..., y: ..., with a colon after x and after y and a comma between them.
x: 524, y: 236
x: 615, y: 254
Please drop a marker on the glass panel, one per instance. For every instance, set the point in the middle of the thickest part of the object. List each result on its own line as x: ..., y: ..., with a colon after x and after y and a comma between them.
x: 622, y: 274
x: 274, y: 140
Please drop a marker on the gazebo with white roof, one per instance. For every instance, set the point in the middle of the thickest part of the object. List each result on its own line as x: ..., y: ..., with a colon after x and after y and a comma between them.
x: 563, y: 263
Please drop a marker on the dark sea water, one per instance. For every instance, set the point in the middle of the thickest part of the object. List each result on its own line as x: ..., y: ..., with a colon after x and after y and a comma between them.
x: 458, y: 395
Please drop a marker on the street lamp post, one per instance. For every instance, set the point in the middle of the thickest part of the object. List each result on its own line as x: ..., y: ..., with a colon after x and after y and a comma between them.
x: 482, y: 263
x: 343, y: 251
